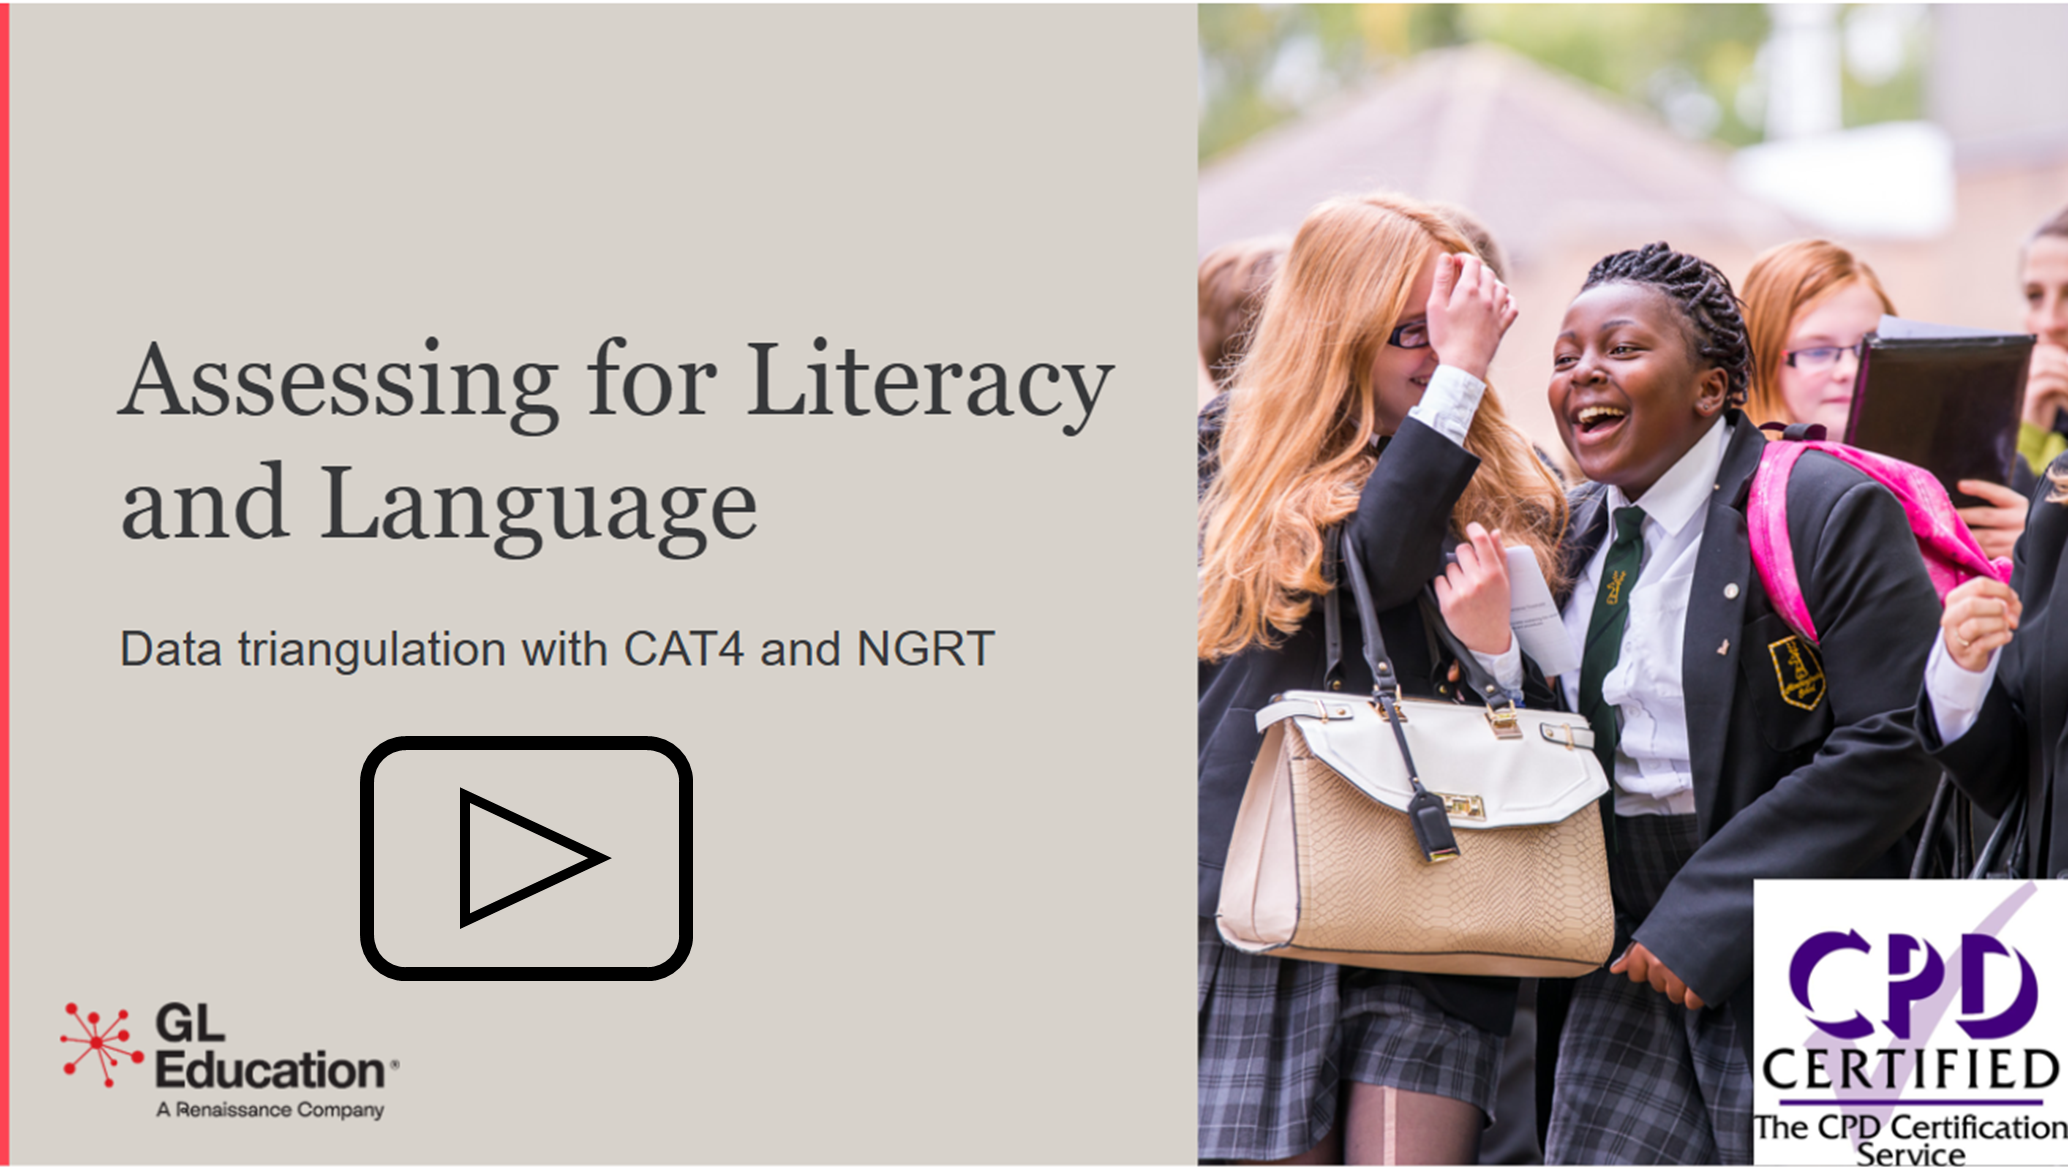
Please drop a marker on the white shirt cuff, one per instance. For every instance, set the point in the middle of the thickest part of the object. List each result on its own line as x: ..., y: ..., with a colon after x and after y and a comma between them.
x: 1956, y: 694
x: 1506, y: 668
x: 1450, y: 401
x: 1631, y: 804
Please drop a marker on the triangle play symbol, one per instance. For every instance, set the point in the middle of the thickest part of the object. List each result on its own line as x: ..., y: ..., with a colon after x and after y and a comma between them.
x: 468, y: 914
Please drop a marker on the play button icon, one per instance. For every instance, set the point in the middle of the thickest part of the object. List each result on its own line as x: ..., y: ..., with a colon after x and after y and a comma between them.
x: 570, y: 858
x: 539, y: 832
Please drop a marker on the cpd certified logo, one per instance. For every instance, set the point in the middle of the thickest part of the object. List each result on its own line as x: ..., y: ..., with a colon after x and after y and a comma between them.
x: 100, y: 1043
x: 1900, y: 1023
x: 1988, y: 989
x: 1916, y: 973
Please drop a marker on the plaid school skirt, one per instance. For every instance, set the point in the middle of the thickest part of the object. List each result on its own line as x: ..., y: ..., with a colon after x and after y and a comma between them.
x: 1641, y: 1080
x: 1278, y: 1037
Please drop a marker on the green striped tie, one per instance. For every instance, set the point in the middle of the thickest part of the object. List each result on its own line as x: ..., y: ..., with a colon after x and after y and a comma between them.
x: 1605, y: 632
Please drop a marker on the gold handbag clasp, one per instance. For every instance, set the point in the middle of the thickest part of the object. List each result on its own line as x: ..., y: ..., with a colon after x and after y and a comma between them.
x: 1463, y: 806
x: 1504, y: 722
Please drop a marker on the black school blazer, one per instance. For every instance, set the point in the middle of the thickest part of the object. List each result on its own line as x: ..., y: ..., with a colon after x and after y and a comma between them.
x: 2017, y: 738
x: 1796, y: 776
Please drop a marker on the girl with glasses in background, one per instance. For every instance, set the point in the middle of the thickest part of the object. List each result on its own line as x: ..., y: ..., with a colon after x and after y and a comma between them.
x: 1809, y: 306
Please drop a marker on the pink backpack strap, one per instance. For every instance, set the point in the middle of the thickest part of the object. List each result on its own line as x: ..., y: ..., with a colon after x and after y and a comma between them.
x: 1951, y: 555
x: 1766, y: 514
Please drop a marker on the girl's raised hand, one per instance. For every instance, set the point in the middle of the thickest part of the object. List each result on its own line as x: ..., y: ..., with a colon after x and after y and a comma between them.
x: 1473, y: 592
x: 1469, y: 311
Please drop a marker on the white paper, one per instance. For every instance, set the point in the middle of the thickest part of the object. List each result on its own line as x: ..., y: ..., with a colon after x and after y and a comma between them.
x: 1534, y: 616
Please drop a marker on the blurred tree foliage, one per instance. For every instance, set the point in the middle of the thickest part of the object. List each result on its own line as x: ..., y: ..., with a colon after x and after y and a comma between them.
x: 1696, y: 65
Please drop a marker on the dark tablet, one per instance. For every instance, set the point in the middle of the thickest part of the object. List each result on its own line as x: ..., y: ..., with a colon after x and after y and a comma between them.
x: 1943, y: 397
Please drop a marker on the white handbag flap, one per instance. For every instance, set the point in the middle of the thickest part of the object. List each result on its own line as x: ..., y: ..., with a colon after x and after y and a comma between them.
x: 1541, y: 771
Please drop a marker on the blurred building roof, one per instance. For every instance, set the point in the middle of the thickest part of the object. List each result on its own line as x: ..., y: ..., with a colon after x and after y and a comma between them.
x: 1538, y: 156
x: 1998, y: 85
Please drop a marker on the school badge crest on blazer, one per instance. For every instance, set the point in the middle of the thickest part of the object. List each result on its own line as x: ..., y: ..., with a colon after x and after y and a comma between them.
x: 1799, y: 671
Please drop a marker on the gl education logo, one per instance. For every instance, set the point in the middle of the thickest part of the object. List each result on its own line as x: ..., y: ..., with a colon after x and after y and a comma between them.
x: 100, y: 1043
x: 179, y: 1024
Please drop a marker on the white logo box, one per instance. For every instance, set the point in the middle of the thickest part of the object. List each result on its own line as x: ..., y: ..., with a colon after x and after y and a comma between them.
x: 1935, y: 1032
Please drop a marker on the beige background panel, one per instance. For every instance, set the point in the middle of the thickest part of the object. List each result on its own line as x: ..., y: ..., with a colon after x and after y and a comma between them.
x: 938, y: 912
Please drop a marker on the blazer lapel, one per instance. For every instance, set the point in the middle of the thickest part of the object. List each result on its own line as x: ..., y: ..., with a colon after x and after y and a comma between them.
x: 1587, y: 519
x: 1716, y: 618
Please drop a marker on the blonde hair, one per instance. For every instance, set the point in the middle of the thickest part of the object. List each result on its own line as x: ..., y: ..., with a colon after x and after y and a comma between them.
x: 1297, y: 446
x: 1783, y: 283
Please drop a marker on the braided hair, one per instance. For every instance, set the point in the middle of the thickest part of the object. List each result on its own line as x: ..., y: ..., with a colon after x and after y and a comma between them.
x: 1702, y: 293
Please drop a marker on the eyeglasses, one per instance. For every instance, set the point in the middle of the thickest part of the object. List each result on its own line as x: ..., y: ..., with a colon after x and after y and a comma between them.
x: 1412, y: 335
x: 1822, y: 357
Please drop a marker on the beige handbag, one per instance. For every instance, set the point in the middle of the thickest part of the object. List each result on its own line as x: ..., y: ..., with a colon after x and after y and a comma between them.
x: 1342, y: 854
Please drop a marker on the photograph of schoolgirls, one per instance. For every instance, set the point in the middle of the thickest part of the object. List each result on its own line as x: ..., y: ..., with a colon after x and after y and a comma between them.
x: 1546, y: 601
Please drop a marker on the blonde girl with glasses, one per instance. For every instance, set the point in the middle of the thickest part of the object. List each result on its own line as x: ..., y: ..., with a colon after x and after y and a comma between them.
x: 1361, y: 405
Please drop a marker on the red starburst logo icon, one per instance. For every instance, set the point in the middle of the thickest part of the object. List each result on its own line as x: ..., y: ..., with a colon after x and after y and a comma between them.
x: 100, y: 1043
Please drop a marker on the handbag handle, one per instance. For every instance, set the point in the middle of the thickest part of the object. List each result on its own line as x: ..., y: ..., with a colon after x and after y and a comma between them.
x: 2012, y: 824
x: 1375, y: 654
x: 1476, y: 675
x: 1425, y: 812
x: 2007, y: 837
x: 1331, y: 610
x: 1934, y: 821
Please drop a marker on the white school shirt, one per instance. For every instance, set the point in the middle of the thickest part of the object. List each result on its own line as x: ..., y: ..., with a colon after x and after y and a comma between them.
x: 1450, y: 401
x: 1956, y: 694
x: 1653, y: 773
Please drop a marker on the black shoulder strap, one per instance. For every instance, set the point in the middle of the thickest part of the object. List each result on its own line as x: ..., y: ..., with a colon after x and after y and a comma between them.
x: 1798, y: 431
x: 1425, y: 811
x: 1375, y: 654
x: 1332, y: 609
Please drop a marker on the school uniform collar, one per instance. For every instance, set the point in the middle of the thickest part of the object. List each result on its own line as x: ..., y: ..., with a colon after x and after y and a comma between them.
x: 1740, y: 447
x: 1684, y: 491
x: 1741, y: 455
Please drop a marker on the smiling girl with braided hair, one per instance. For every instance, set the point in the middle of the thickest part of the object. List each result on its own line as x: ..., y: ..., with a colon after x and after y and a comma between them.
x: 1738, y: 748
